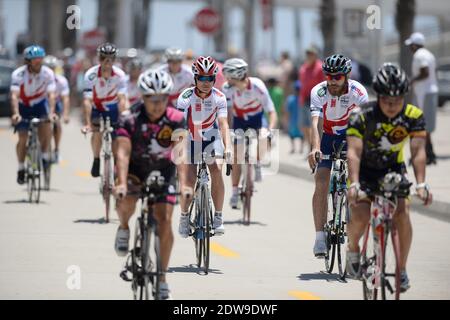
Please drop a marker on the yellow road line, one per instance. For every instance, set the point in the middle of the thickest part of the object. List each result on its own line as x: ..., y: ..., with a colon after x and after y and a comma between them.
x: 83, y: 174
x: 303, y: 295
x: 217, y: 248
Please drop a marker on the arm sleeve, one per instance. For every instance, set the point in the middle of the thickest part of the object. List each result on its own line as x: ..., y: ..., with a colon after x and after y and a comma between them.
x: 222, y: 111
x: 87, y: 86
x: 122, y: 87
x: 266, y: 100
x: 364, y: 98
x: 417, y: 128
x: 51, y: 85
x: 15, y: 81
x: 356, y: 125
x: 124, y: 128
x: 182, y: 103
x: 316, y: 105
x: 65, y: 87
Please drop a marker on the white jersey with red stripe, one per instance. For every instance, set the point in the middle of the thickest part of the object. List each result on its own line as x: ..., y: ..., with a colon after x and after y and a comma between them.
x: 250, y: 102
x: 334, y: 110
x: 62, y: 87
x: 202, y: 114
x: 104, y: 92
x: 134, y: 94
x: 33, y: 88
x: 181, y: 81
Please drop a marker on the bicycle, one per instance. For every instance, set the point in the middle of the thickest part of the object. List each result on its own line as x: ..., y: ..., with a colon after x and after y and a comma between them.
x: 201, y: 222
x: 375, y: 269
x: 144, y: 259
x: 337, y: 208
x: 247, y: 184
x: 107, y: 177
x: 33, y: 162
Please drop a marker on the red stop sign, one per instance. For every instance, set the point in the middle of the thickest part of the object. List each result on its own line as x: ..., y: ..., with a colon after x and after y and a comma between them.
x: 207, y: 20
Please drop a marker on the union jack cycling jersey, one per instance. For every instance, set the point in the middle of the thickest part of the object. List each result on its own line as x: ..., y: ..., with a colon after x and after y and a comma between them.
x: 250, y: 102
x: 134, y: 94
x: 334, y: 110
x: 62, y: 87
x: 181, y: 80
x: 103, y: 92
x: 33, y: 88
x: 202, y: 114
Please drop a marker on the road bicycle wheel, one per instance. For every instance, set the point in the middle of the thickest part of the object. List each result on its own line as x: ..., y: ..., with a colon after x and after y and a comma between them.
x: 153, y: 257
x: 207, y: 219
x: 47, y: 175
x: 390, y: 274
x: 247, y: 198
x: 106, y: 187
x: 341, y: 208
x: 35, y: 175
x: 139, y: 261
x: 198, y: 232
x: 330, y: 236
x: 369, y: 269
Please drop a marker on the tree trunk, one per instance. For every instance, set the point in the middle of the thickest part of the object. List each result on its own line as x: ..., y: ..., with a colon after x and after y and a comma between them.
x: 141, y: 22
x: 107, y: 18
x: 404, y: 22
x: 328, y: 25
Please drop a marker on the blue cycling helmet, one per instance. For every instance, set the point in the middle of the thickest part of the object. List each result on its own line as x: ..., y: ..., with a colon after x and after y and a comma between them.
x: 33, y: 52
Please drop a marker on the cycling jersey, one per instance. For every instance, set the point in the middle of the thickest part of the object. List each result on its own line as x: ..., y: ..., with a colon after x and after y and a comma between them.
x: 181, y: 80
x: 201, y: 114
x: 62, y: 90
x: 33, y: 88
x: 384, y: 138
x: 151, y: 141
x: 334, y: 110
x: 134, y: 94
x: 248, y: 106
x: 103, y: 92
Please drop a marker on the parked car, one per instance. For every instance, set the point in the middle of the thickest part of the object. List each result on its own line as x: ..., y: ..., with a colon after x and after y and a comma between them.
x: 443, y: 78
x: 6, y: 68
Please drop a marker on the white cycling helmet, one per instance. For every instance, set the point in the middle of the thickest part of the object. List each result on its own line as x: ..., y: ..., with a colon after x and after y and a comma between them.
x: 174, y: 54
x: 50, y: 61
x: 235, y: 68
x: 153, y: 82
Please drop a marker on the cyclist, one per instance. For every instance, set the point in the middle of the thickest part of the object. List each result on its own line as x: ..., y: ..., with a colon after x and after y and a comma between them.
x: 105, y: 90
x: 205, y: 109
x: 181, y: 74
x: 331, y: 103
x: 248, y: 98
x: 134, y: 68
x: 62, y: 102
x: 376, y: 135
x: 32, y: 96
x: 143, y: 145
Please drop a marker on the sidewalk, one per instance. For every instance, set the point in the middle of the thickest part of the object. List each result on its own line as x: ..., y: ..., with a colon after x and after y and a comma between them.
x: 296, y: 165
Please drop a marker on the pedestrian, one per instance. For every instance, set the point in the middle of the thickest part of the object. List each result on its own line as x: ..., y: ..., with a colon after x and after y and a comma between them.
x: 292, y: 117
x: 310, y: 74
x: 277, y: 96
x: 424, y: 86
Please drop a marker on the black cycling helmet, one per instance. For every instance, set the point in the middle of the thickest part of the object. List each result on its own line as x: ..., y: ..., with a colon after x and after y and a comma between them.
x: 390, y: 80
x: 337, y: 63
x: 107, y: 49
x: 134, y: 64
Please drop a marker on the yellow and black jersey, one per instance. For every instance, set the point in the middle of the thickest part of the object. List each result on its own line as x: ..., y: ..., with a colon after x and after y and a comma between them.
x: 383, y: 137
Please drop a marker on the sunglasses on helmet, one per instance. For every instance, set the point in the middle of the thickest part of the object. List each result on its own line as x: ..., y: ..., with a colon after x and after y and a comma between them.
x: 206, y: 78
x: 337, y: 77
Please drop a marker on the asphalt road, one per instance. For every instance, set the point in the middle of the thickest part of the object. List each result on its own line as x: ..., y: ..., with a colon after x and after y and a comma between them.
x: 43, y: 247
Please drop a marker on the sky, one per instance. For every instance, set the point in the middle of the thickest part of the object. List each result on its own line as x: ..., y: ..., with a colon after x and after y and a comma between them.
x: 169, y: 18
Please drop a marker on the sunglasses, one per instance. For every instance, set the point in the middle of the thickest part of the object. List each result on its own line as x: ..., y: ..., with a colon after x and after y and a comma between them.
x: 156, y: 98
x: 337, y: 77
x: 206, y: 78
x: 103, y: 58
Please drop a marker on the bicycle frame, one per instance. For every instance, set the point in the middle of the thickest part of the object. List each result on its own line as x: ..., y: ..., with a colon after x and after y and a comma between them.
x: 380, y: 228
x: 107, y: 178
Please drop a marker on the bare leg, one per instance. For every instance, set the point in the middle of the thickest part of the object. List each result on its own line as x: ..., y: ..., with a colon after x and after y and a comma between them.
x: 163, y: 215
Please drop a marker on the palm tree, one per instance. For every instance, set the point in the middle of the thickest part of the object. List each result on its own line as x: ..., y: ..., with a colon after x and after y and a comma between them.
x: 108, y: 17
x: 404, y: 22
x: 328, y: 25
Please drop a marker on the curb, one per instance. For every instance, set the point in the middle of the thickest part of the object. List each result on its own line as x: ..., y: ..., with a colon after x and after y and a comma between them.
x: 438, y: 210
